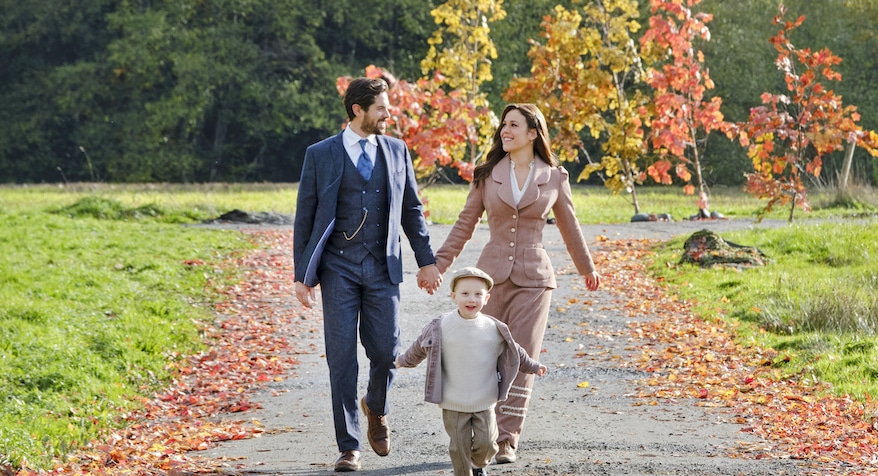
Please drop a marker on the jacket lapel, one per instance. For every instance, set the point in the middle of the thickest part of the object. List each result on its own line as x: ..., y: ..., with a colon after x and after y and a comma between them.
x: 338, y: 154
x: 541, y: 176
x: 500, y: 174
x: 393, y: 160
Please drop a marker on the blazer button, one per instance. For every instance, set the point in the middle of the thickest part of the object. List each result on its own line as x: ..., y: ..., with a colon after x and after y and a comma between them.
x: 515, y: 217
x: 511, y: 258
x: 512, y: 230
x: 511, y: 244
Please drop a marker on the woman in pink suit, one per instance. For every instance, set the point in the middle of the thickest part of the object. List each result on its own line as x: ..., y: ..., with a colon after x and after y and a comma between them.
x: 518, y: 184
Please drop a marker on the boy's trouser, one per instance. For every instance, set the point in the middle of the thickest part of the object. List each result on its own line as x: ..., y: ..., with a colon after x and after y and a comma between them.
x: 473, y: 439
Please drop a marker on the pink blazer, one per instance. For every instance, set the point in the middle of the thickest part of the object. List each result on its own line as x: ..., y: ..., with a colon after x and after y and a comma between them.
x: 515, y: 248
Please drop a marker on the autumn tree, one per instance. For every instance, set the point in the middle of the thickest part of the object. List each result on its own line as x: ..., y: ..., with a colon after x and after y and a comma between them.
x: 457, y: 63
x: 683, y: 116
x: 788, y: 136
x: 430, y: 120
x: 584, y: 76
x: 444, y: 117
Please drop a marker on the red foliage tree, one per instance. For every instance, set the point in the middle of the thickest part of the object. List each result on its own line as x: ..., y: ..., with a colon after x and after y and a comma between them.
x: 683, y: 117
x: 788, y: 136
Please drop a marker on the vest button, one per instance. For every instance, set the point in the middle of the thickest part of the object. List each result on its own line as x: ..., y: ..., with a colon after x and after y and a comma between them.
x: 511, y: 258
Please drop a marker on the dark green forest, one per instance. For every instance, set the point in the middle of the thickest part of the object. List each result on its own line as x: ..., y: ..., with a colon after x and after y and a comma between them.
x: 235, y: 90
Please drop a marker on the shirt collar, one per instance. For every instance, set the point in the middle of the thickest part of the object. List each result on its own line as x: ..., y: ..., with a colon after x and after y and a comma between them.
x: 351, y: 138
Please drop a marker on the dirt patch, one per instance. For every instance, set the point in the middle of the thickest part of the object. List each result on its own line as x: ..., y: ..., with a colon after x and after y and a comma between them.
x: 240, y: 217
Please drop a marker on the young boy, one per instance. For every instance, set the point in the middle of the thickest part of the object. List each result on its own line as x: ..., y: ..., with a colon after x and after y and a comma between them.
x: 466, y: 351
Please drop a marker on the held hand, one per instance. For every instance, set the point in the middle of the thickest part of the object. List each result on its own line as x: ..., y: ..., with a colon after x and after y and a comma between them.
x: 542, y: 371
x: 429, y: 278
x: 592, y: 281
x: 305, y: 294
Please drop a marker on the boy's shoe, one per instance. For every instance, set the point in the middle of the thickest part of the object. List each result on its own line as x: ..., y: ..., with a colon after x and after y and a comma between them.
x: 505, y: 454
x: 480, y: 472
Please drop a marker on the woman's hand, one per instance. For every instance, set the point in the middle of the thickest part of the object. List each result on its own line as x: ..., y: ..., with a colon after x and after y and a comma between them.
x: 592, y: 281
x: 429, y: 278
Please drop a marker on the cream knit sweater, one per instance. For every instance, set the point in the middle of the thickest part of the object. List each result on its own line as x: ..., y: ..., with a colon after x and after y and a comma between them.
x: 470, y: 349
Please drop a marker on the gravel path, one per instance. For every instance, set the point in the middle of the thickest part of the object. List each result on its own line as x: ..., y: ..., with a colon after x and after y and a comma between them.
x: 601, y: 429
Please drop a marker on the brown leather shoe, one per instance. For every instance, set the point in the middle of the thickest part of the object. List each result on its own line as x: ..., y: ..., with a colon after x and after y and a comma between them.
x: 505, y: 454
x: 378, y: 431
x: 348, y: 461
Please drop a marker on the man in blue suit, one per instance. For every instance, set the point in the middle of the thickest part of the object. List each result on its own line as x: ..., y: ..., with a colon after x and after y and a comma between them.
x: 357, y: 192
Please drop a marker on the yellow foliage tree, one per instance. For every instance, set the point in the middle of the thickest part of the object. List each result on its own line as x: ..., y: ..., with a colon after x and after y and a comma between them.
x: 583, y: 76
x: 458, y: 62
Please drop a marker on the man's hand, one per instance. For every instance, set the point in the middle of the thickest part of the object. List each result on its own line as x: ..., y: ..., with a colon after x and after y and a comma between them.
x: 305, y: 294
x: 429, y: 278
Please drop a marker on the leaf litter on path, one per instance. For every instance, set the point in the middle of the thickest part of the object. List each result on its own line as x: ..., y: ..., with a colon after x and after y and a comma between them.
x: 699, y: 361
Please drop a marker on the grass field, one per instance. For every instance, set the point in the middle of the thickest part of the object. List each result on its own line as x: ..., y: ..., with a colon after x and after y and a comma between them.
x: 97, y: 297
x: 816, y: 302
x: 171, y: 203
x: 92, y: 310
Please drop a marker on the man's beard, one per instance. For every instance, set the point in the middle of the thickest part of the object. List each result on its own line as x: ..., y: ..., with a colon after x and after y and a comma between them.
x: 374, y: 127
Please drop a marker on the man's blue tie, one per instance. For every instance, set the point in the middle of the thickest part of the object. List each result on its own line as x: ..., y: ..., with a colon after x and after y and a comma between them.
x: 364, y: 163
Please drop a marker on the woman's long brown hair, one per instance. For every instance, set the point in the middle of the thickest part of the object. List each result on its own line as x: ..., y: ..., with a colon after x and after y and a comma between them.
x: 542, y: 149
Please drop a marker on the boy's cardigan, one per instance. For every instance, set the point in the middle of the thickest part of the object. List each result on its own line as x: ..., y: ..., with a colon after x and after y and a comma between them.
x: 429, y: 346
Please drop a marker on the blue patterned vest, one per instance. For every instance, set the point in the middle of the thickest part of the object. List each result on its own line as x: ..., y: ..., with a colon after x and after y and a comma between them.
x: 362, y: 213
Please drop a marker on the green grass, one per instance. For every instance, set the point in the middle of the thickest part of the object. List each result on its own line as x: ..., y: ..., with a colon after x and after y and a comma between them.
x: 166, y: 203
x: 816, y: 302
x: 91, y: 312
x: 172, y: 203
x: 599, y: 205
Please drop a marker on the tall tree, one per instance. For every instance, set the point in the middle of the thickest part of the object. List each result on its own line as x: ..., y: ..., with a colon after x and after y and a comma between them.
x: 587, y: 75
x: 788, y: 136
x: 522, y: 22
x: 458, y: 62
x: 39, y: 37
x: 214, y: 85
x: 684, y: 116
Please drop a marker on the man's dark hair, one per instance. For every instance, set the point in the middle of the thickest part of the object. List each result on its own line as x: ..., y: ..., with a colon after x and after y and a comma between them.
x: 363, y: 91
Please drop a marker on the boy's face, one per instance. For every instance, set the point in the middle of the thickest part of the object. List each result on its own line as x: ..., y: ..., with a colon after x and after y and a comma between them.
x: 470, y: 295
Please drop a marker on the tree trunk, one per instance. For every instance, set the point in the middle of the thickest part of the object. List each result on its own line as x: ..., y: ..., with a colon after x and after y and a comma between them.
x: 634, y: 199
x: 696, y: 161
x: 629, y: 179
x: 846, y: 168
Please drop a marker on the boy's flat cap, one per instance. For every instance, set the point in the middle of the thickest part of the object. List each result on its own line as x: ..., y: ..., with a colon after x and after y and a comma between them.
x: 471, y: 272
